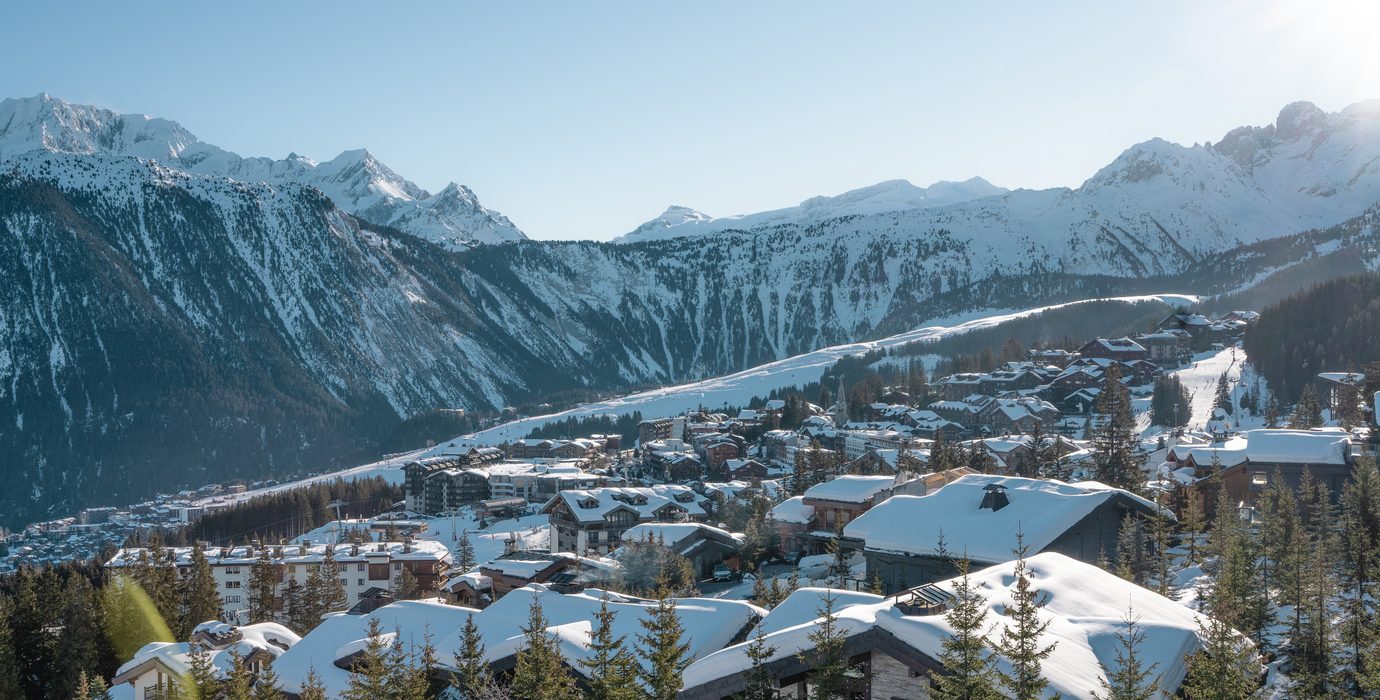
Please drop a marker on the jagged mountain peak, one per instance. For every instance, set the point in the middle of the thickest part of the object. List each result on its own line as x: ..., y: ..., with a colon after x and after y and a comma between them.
x: 356, y: 180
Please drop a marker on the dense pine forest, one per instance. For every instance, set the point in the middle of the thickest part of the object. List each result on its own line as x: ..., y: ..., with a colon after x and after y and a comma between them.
x: 1331, y: 327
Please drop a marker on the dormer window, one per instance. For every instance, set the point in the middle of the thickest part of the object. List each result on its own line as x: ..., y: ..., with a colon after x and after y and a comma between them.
x: 590, y: 503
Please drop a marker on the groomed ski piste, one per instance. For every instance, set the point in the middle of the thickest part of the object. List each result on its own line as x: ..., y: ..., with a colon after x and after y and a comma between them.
x: 741, y: 387
x: 735, y: 389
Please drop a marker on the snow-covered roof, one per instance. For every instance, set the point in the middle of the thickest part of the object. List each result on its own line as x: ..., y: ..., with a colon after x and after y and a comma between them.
x: 338, y: 634
x: 672, y: 534
x: 298, y: 554
x: 591, y: 505
x: 1343, y: 377
x: 803, y: 605
x: 709, y: 623
x: 1083, y: 605
x: 792, y: 510
x: 1041, y: 509
x: 176, y: 656
x: 1297, y: 446
x: 850, y: 488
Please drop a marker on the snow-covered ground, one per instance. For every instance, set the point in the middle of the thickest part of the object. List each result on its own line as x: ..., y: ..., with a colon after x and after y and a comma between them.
x: 740, y: 388
x: 1200, y: 381
x: 390, y: 469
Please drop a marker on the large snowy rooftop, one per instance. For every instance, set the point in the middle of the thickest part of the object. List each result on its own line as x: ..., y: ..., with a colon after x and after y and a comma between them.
x: 1041, y: 509
x: 1083, y: 604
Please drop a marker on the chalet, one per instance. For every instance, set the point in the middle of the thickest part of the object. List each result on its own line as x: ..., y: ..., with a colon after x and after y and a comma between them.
x: 1194, y: 324
x: 979, y: 515
x: 705, y: 546
x: 894, y: 645
x: 792, y: 520
x: 887, y: 462
x: 956, y: 386
x: 744, y: 469
x: 721, y: 448
x: 1167, y: 348
x: 595, y: 520
x: 1248, y: 461
x: 660, y: 429
x: 1121, y: 349
x: 160, y: 666
x: 1008, y: 416
x: 1054, y: 358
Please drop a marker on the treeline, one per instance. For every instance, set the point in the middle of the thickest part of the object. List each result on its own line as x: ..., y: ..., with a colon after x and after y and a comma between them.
x: 53, y: 624
x: 1331, y: 327
x: 624, y: 425
x: 287, y: 514
x: 1066, y: 327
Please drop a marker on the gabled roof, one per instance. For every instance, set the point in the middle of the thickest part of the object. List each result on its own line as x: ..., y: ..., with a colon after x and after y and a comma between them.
x: 1042, y: 509
x: 1082, y: 605
x: 645, y: 501
x: 850, y: 488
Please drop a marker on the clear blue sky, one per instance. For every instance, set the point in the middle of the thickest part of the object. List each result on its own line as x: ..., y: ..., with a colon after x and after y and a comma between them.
x: 581, y: 120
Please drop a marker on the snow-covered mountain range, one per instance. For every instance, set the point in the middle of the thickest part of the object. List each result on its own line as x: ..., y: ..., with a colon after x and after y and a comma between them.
x: 357, y: 181
x: 179, y: 314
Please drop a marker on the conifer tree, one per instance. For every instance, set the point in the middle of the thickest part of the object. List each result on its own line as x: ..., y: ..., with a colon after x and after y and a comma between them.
x: 410, y: 669
x: 1116, y: 448
x: 312, y: 687
x: 610, y: 668
x: 1308, y: 411
x: 540, y: 673
x: 1360, y: 553
x: 760, y: 683
x: 263, y: 589
x: 298, y: 607
x: 407, y: 585
x: 1224, y: 669
x: 80, y: 645
x: 1130, y: 680
x: 666, y: 652
x: 9, y: 655
x: 370, y: 677
x: 200, y: 592
x: 1193, y: 523
x: 968, y: 663
x: 201, y: 673
x: 464, y: 552
x: 266, y: 684
x: 239, y: 683
x: 1130, y: 550
x: 471, y: 675
x: 1161, y: 530
x: 1222, y: 398
x: 1020, y: 638
x: 829, y: 667
x: 1272, y: 412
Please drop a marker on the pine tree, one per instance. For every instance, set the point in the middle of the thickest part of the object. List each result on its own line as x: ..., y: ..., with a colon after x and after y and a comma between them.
x: 1193, y: 523
x: 201, y: 595
x: 239, y: 684
x: 1224, y: 669
x: 665, y: 650
x: 610, y: 668
x: 410, y: 669
x: 464, y: 552
x: 9, y: 656
x: 1161, y: 530
x: 1308, y: 411
x: 312, y: 687
x: 407, y: 585
x: 1360, y: 553
x: 370, y: 677
x: 829, y: 667
x: 201, y: 674
x: 471, y: 671
x: 1222, y: 398
x: 968, y: 664
x: 266, y: 685
x: 80, y: 645
x: 540, y: 673
x: 1130, y: 550
x: 299, y: 608
x: 1020, y: 638
x: 1313, y: 643
x: 263, y: 589
x: 330, y: 587
x: 760, y: 683
x: 1130, y: 680
x: 1272, y: 412
x: 1116, y: 448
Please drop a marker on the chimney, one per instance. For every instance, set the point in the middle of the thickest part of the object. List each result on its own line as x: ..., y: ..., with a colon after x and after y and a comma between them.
x: 994, y: 497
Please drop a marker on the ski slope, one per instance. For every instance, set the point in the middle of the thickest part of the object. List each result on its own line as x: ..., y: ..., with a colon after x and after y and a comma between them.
x: 1200, y: 381
x: 739, y: 388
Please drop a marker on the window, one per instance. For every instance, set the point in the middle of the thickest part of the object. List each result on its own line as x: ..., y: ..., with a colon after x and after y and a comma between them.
x: 232, y: 584
x: 344, y: 583
x: 1260, y: 479
x: 359, y: 582
x: 232, y: 571
x: 397, y: 566
x: 230, y: 599
x: 359, y: 567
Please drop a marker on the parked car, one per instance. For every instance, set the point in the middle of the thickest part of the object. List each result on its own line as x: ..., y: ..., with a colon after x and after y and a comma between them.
x: 722, y: 572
